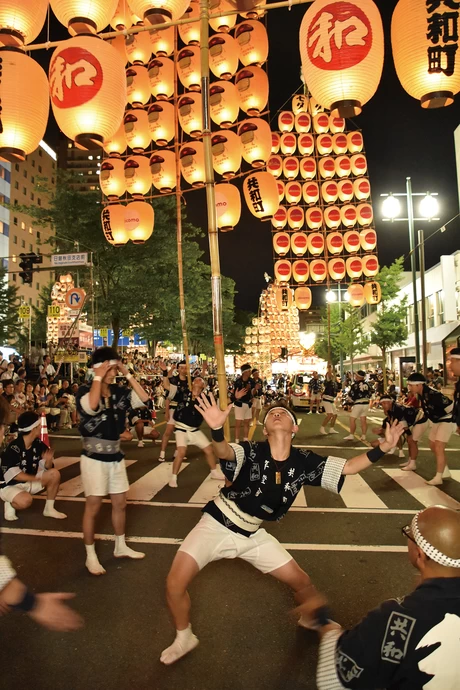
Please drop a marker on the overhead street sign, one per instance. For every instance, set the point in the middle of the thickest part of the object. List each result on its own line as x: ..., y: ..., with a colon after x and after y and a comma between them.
x: 75, y: 298
x: 77, y: 259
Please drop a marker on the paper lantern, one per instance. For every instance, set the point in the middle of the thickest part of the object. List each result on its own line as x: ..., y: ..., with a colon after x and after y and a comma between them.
x: 190, y: 111
x: 306, y: 144
x: 332, y: 217
x: 334, y: 241
x: 24, y: 104
x: 308, y: 168
x: 288, y: 143
x: 336, y: 269
x: 223, y: 56
x: 349, y: 215
x: 226, y: 153
x: 275, y: 166
x: 191, y: 157
x: 276, y: 142
x: 253, y: 42
x: 318, y: 270
x: 368, y: 238
x: 326, y: 167
x: 336, y: 124
x: 424, y: 38
x: 228, y: 206
x: 281, y: 190
x: 321, y: 123
x: 283, y: 270
x: 161, y: 122
x: 136, y: 124
x: 340, y: 144
x: 281, y: 243
x: 224, y: 103
x: 342, y: 166
x: 161, y: 77
x: 225, y: 23
x: 163, y: 170
x: 372, y: 292
x: 83, y: 17
x: 310, y: 192
x: 342, y: 51
x: 355, y: 142
x: 117, y: 144
x: 139, y: 221
x: 299, y: 243
x: 315, y: 243
x: 113, y: 224
x: 137, y: 85
x: 138, y: 48
x: 112, y: 178
x: 329, y: 191
x: 290, y: 167
x: 302, y: 297
x: 296, y: 217
x: 293, y: 191
x: 21, y: 21
x: 122, y: 19
x: 261, y: 194
x: 119, y: 44
x: 355, y: 295
x: 162, y: 41
x: 302, y: 123
x: 314, y: 218
x: 95, y: 77
x: 300, y: 271
x: 286, y: 121
x: 345, y: 188
x: 370, y: 265
x: 256, y: 140
x: 352, y: 241
x: 324, y: 144
x: 361, y: 188
x: 190, y: 33
x: 252, y: 85
x: 354, y: 266
x: 159, y: 11
x: 189, y: 67
x: 299, y: 103
x: 283, y: 298
x: 358, y: 164
x: 137, y: 176
x: 365, y: 214
x: 279, y: 220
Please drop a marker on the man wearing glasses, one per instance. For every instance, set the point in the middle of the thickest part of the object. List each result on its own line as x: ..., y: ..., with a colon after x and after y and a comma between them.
x: 262, y: 481
x: 408, y: 644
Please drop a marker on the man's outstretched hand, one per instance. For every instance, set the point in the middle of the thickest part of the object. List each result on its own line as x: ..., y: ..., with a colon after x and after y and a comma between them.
x: 212, y: 414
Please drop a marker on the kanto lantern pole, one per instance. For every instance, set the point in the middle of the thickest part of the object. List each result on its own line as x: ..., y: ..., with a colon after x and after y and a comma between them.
x: 216, y: 281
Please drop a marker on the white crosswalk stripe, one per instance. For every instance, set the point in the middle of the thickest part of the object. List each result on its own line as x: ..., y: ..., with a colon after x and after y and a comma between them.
x: 356, y: 493
x: 417, y: 487
x: 145, y: 488
x: 206, y: 491
x: 74, y: 486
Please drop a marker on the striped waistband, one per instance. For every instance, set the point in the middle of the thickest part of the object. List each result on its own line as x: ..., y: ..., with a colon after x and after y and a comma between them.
x: 102, y: 446
x: 237, y: 516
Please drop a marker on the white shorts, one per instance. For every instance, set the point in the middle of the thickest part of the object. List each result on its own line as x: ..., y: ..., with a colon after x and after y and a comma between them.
x: 418, y: 430
x: 257, y: 404
x: 243, y: 412
x: 9, y: 493
x: 359, y: 411
x: 210, y: 541
x: 191, y: 438
x: 315, y: 397
x: 103, y: 478
x: 442, y: 431
x: 329, y: 407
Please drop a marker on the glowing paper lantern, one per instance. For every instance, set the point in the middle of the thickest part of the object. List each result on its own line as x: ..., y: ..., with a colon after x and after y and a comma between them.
x: 299, y: 243
x: 122, y: 19
x: 87, y: 17
x: 306, y: 144
x: 283, y: 298
x: 256, y: 140
x: 286, y: 121
x: 117, y: 144
x: 225, y: 23
x: 365, y: 214
x: 342, y: 166
x: 276, y: 142
x: 224, y: 103
x: 354, y: 267
x: 161, y: 77
x: 281, y: 190
x: 261, y: 194
x: 96, y: 77
x: 159, y: 11
x: 161, y: 122
x: 138, y: 48
x: 370, y: 266
x: 349, y: 215
x: 332, y: 217
x: 228, y: 206
x: 226, y: 153
x: 324, y: 144
x: 163, y: 170
x: 358, y: 164
x: 137, y: 85
x: 427, y: 62
x: 315, y: 243
x: 113, y: 224
x: 275, y: 166
x: 372, y: 292
x: 137, y: 176
x: 279, y: 220
x: 352, y: 241
x: 253, y: 41
x: 24, y: 104
x: 299, y: 104
x: 302, y: 297
x: 318, y: 270
x: 340, y: 144
x: 361, y: 188
x: 302, y: 123
x: 336, y: 268
x: 355, y: 142
x: 296, y: 217
x: 326, y: 167
x: 314, y: 218
x: 342, y: 68
x: 355, y: 295
x: 310, y: 192
x: 281, y: 243
x: 162, y: 41
x: 190, y: 33
x: 346, y: 189
x: 252, y: 85
x: 139, y: 221
x: 223, y: 56
x: 321, y: 123
x: 293, y: 191
x: 336, y: 124
x: 191, y: 114
x: 191, y: 157
x: 189, y: 67
x: 136, y: 123
x: 329, y: 191
x: 112, y: 178
x: 288, y: 143
x: 21, y: 21
x: 334, y: 241
x: 300, y: 271
x: 308, y: 168
x: 368, y: 238
x: 283, y: 270
x: 120, y: 46
x: 290, y: 167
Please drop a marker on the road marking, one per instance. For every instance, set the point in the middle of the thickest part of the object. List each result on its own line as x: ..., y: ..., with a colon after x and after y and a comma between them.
x: 356, y: 493
x: 150, y: 484
x: 206, y: 491
x: 361, y: 448
x: 417, y: 487
x: 64, y: 461
x: 378, y: 420
x: 300, y: 499
x: 455, y: 475
x: 74, y: 487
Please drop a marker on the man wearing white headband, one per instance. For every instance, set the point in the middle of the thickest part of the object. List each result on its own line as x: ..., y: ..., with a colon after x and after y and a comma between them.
x: 404, y: 644
x: 262, y: 482
x: 27, y: 469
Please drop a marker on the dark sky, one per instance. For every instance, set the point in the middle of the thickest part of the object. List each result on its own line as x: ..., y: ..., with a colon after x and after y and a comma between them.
x: 400, y: 138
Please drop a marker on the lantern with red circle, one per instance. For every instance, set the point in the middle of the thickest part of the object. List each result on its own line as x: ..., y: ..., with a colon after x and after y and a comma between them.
x: 358, y: 164
x: 253, y: 42
x: 302, y: 123
x: 226, y: 152
x: 286, y: 121
x: 275, y: 166
x: 372, y: 292
x: 191, y: 158
x: 349, y: 215
x: 261, y: 194
x: 370, y: 265
x: 293, y: 192
x: 308, y: 168
x: 342, y: 166
x: 306, y: 144
x: 345, y: 188
x: 324, y: 144
x: 362, y: 188
x: 138, y: 179
x: 138, y: 48
x: 365, y: 214
x: 281, y: 189
x: 139, y: 221
x: 252, y: 85
x: 161, y: 76
x: 332, y: 217
x: 310, y: 192
x: 355, y: 295
x: 115, y: 146
x: 223, y: 55
x: 300, y: 271
x: 368, y: 238
x: 226, y: 22
x: 336, y: 124
x: 336, y: 268
x: 224, y: 103
x: 340, y: 144
x: 190, y: 33
x: 354, y: 266
x: 355, y: 142
x: 190, y: 111
x: 228, y: 206
x: 299, y: 243
x: 137, y: 85
x: 163, y: 170
x: 113, y: 224
x: 296, y: 217
x: 321, y: 123
x: 352, y: 241
x: 318, y: 270
x: 326, y: 167
x: 314, y: 217
x: 161, y: 122
x: 290, y: 167
x: 279, y: 220
x: 283, y: 271
x: 136, y: 124
x: 281, y: 243
x: 329, y: 191
x: 162, y: 41
x: 288, y: 143
x: 255, y: 137
x: 189, y: 67
x: 315, y: 243
x: 334, y: 242
x: 302, y: 298
x: 276, y: 142
x: 112, y: 178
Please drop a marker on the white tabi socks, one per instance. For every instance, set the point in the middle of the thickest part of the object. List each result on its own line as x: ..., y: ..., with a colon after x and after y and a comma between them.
x: 92, y: 561
x: 10, y: 513
x: 183, y: 644
x: 50, y: 511
x: 123, y: 551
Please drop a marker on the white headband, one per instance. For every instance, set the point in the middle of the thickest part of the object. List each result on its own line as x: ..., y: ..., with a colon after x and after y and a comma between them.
x: 431, y: 551
x: 112, y: 363
x: 280, y: 407
x: 29, y: 428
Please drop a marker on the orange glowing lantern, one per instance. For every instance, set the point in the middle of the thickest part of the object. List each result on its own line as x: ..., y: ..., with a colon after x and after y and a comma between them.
x: 334, y: 241
x: 283, y: 271
x: 355, y: 295
x: 321, y: 123
x: 252, y: 85
x: 299, y: 243
x: 161, y: 122
x: 21, y: 21
x: 281, y: 243
x: 358, y: 164
x: 324, y: 144
x: 113, y: 224
x: 228, y: 206
x: 117, y: 144
x: 315, y: 243
x: 139, y: 221
x: 340, y: 144
x: 290, y: 167
x: 225, y: 23
x: 370, y: 265
x: 354, y: 266
x: 342, y: 166
x: 256, y: 141
x: 314, y: 217
x: 190, y: 33
x: 162, y: 41
x: 288, y: 143
x: 302, y: 123
x: 138, y: 48
x: 355, y: 142
x: 300, y: 271
x: 336, y: 268
x: 326, y: 167
x: 158, y: 11
x: 365, y: 214
x: 302, y: 297
x: 368, y: 239
x: 112, y: 178
x: 279, y: 220
x: 345, y: 188
x: 332, y: 217
x: 226, y: 153
x: 189, y: 68
x: 78, y: 18
x: 352, y: 241
x: 137, y: 176
x: 161, y: 76
x: 118, y: 42
x: 329, y: 191
x: 276, y: 142
x: 138, y: 85
x: 281, y: 190
x: 296, y: 217
x: 293, y: 191
x: 283, y: 298
x: 224, y: 103
x: 275, y: 166
x: 349, y: 215
x: 318, y: 270
x: 163, y: 170
x: 362, y: 188
x: 191, y: 157
x: 191, y: 114
x: 372, y: 292
x: 253, y: 41
x: 136, y: 123
x: 306, y: 144
x: 308, y: 168
x: 286, y: 121
x: 223, y: 56
x: 310, y: 192
x: 299, y: 104
x: 336, y: 124
x: 261, y: 194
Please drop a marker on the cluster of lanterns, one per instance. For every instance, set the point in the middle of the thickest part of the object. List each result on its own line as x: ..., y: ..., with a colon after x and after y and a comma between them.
x: 59, y: 326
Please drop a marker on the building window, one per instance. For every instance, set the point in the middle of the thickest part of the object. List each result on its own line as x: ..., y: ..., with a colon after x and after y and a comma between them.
x: 15, y: 202
x: 16, y: 185
x: 15, y: 220
x: 40, y: 153
x: 23, y: 225
x: 25, y: 173
x: 30, y: 231
x: 37, y: 286
x: 39, y: 201
x: 13, y: 258
x: 52, y: 180
x: 32, y: 196
x: 30, y: 300
x: 15, y: 240
x: 31, y: 248
x: 14, y: 277
x: 23, y: 244
x: 38, y: 234
x: 39, y: 168
x: 410, y: 319
x: 16, y: 167
x: 53, y: 165
x: 33, y: 164
x: 440, y: 308
x: 429, y: 308
x: 24, y: 190
x: 32, y: 179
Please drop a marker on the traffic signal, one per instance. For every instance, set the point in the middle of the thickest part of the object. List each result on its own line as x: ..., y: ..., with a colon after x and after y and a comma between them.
x: 284, y: 353
x: 27, y: 265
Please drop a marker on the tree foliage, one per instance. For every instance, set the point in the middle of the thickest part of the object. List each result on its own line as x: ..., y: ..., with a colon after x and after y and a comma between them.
x: 11, y: 327
x: 347, y: 334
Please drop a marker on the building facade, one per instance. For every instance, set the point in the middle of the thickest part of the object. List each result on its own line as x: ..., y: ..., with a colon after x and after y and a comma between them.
x: 85, y: 165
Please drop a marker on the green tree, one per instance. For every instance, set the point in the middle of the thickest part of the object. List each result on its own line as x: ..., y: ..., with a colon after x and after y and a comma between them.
x: 346, y: 334
x: 39, y: 314
x: 11, y: 327
x: 322, y: 343
x: 352, y: 337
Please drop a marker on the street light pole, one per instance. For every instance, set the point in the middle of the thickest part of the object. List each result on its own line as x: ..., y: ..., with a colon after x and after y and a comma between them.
x: 340, y: 321
x: 421, y: 247
x: 413, y: 264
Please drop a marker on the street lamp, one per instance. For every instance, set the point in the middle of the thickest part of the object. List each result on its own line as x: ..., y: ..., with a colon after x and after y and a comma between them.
x: 428, y: 209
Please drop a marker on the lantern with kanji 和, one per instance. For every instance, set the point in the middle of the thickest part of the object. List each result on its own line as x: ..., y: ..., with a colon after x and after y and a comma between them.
x: 191, y: 114
x: 290, y: 167
x: 329, y: 191
x: 372, y: 292
x: 332, y: 217
x: 352, y: 241
x: 137, y: 176
x: 226, y: 153
x: 318, y: 270
x: 296, y: 217
x: 340, y: 144
x: 334, y: 241
x: 261, y: 194
x: 424, y: 38
x: 345, y: 189
x: 24, y: 105
x: 161, y: 122
x: 191, y: 157
x: 302, y: 297
x: 226, y: 22
x: 326, y: 167
x: 300, y: 271
x: 281, y: 243
x: 118, y: 43
x: 162, y: 41
x: 286, y: 121
x: 21, y: 21
x: 310, y: 191
x: 276, y: 142
x: 306, y: 144
x: 302, y: 123
x: 342, y: 50
x: 139, y: 221
x: 224, y: 103
x: 316, y: 243
x: 370, y: 265
x: 358, y: 164
x: 299, y: 243
x: 283, y: 298
x: 95, y: 76
x: 308, y: 168
x: 314, y: 217
x: 190, y: 33
x: 83, y: 17
x: 256, y: 141
x: 354, y: 267
x: 253, y: 41
x: 223, y: 56
x: 288, y: 143
x: 279, y: 220
x: 365, y: 214
x: 163, y: 170
x: 159, y: 11
x: 252, y: 85
x: 283, y: 271
x: 188, y: 67
x: 280, y: 185
x: 117, y: 144
x: 275, y: 166
x: 112, y: 178
x: 336, y: 268
x: 349, y: 215
x: 342, y: 166
x: 368, y: 239
x: 113, y: 224
x: 321, y: 123
x: 355, y: 142
x: 138, y: 48
x: 228, y: 206
x: 362, y: 188
x: 324, y: 144
x: 161, y: 77
x: 136, y: 124
x: 355, y: 295
x: 138, y: 85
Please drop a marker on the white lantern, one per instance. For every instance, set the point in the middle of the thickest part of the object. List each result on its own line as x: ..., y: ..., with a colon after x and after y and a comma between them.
x: 192, y: 163
x: 137, y: 131
x: 137, y: 176
x: 161, y: 122
x: 21, y: 21
x: 189, y: 68
x: 256, y: 140
x: 223, y: 56
x: 112, y: 178
x: 161, y: 78
x: 159, y: 11
x: 113, y: 224
x: 191, y: 114
x: 139, y: 221
x: 84, y: 17
x: 226, y: 153
x: 163, y: 170
x: 137, y: 85
x: 225, y: 23
x: 190, y: 33
x: 228, y: 206
x: 138, y: 48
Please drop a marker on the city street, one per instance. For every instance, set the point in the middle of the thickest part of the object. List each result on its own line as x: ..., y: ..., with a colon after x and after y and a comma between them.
x: 351, y: 545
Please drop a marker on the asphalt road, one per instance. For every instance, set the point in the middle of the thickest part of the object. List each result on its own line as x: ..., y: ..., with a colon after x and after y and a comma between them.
x: 351, y: 545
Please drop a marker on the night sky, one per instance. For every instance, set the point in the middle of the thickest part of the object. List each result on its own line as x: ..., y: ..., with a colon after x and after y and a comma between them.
x: 401, y: 139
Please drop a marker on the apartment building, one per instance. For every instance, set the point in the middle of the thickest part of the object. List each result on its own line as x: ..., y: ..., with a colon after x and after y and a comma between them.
x: 84, y: 164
